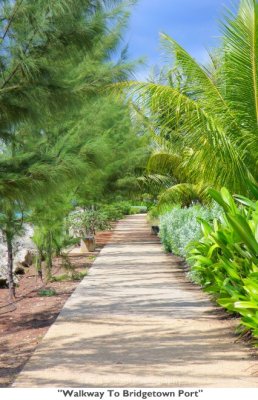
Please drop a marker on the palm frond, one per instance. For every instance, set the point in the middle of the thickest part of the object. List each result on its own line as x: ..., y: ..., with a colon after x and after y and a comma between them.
x: 240, y: 64
x: 201, y: 132
x: 184, y: 194
x: 164, y: 163
x: 201, y: 85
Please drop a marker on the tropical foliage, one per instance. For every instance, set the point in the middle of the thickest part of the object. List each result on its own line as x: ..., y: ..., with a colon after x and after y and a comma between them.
x: 203, y: 119
x: 180, y: 226
x: 204, y: 123
x: 225, y: 259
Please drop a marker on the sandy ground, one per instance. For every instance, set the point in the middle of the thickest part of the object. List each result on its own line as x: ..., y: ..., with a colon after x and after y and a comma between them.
x: 136, y: 321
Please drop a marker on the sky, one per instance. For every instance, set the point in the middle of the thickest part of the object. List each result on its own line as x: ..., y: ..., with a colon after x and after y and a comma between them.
x: 193, y: 23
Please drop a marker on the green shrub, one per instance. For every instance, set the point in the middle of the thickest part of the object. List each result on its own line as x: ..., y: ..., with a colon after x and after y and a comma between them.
x: 85, y: 223
x: 112, y: 212
x: 180, y: 226
x: 138, y: 210
x: 225, y: 259
x: 124, y: 207
x: 116, y: 211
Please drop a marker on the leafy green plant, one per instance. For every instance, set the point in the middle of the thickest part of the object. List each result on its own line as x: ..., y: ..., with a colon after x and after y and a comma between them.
x: 179, y: 226
x: 112, y: 212
x: 78, y: 276
x: 61, y: 278
x: 124, y: 207
x: 85, y: 223
x: 225, y: 259
x: 138, y: 209
x: 116, y: 210
x: 74, y: 276
x: 47, y: 292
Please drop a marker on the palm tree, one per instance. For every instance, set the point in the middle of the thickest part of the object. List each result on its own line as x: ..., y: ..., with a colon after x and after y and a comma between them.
x: 209, y: 115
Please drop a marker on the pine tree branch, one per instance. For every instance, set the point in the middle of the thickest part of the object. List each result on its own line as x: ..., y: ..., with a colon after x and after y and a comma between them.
x: 15, y: 9
x: 11, y: 75
x: 14, y: 71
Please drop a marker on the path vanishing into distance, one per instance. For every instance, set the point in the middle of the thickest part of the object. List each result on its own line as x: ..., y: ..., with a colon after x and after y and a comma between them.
x: 136, y: 321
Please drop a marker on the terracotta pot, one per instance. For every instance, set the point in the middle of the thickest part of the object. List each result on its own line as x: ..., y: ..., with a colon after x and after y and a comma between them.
x: 88, y: 244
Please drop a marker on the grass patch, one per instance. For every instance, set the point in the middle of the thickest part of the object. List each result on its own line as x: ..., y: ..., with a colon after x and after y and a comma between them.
x: 61, y: 278
x: 47, y: 292
x: 78, y: 276
x: 75, y: 276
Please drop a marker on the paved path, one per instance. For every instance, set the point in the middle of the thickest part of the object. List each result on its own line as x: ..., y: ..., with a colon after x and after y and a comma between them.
x: 136, y: 321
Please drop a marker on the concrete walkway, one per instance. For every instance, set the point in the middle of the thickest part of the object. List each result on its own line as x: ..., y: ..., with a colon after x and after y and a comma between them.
x: 136, y: 321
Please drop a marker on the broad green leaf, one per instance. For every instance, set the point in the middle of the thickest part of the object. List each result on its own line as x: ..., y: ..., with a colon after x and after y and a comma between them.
x: 244, y: 231
x: 245, y: 305
x: 245, y: 201
x: 212, y: 249
x: 205, y: 226
x: 218, y: 198
x: 228, y: 199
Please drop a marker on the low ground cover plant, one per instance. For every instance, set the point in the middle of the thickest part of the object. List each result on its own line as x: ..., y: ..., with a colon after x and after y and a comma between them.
x: 180, y: 226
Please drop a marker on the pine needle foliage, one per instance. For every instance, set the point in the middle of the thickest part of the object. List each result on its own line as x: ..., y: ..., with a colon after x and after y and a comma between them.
x: 55, y: 60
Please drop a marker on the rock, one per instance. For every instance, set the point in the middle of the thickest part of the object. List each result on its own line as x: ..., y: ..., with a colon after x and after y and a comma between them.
x: 23, y: 250
x: 29, y: 258
x: 19, y: 269
x: 3, y: 283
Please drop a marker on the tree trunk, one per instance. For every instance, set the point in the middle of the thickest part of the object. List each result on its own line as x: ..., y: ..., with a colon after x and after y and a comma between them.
x: 10, y: 268
x: 49, y: 257
x: 39, y: 266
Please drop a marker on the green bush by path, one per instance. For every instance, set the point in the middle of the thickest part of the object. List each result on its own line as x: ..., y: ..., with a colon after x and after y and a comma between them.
x: 225, y: 259
x: 221, y: 246
x: 138, y: 210
x: 180, y: 226
x: 116, y: 211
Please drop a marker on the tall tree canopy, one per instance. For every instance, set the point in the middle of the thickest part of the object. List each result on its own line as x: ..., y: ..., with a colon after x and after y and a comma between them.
x: 62, y: 137
x: 54, y: 55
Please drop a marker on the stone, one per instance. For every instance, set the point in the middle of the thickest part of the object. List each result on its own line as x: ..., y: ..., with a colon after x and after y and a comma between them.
x: 23, y: 249
x: 19, y: 269
x: 3, y: 283
x: 29, y: 257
